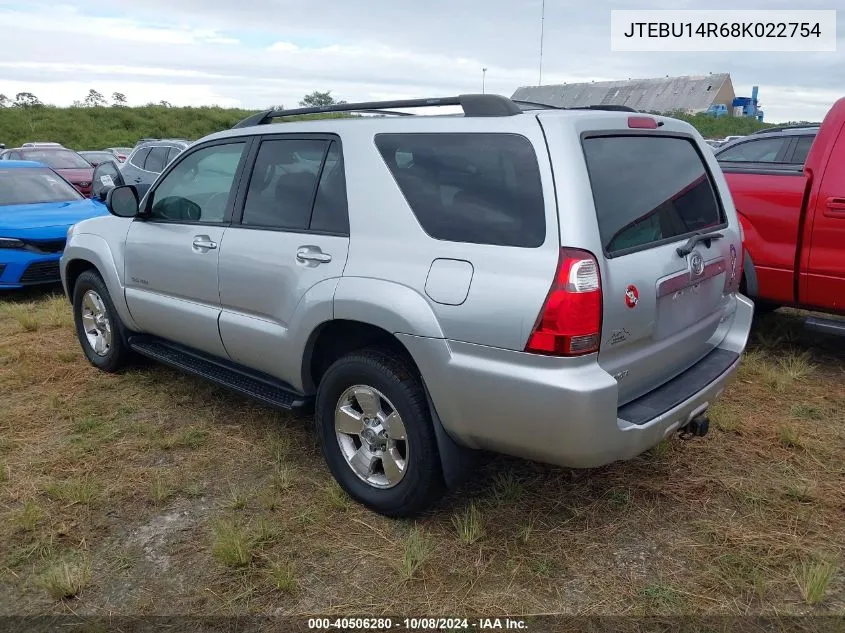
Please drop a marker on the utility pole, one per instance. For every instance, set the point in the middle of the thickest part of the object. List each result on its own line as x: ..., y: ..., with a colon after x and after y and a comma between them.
x: 542, y: 24
x: 483, y: 79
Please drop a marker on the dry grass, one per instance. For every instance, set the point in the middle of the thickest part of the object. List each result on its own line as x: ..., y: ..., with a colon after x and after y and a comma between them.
x: 152, y: 492
x: 66, y: 579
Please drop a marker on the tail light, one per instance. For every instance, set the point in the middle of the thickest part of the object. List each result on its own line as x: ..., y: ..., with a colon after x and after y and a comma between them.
x: 570, y: 321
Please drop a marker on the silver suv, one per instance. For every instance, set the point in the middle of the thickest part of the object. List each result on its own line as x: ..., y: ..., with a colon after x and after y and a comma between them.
x: 553, y: 284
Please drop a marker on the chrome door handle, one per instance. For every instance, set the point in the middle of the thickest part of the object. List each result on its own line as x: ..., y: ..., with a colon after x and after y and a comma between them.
x: 204, y: 242
x: 310, y: 255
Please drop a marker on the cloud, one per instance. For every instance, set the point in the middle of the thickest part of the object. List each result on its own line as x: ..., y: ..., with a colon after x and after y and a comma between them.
x: 275, y: 51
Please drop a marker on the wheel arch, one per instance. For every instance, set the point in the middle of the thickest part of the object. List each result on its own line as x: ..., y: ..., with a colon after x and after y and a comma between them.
x: 339, y: 337
x: 91, y: 252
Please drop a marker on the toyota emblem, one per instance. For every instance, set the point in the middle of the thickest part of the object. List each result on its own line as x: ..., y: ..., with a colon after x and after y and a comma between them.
x: 696, y: 264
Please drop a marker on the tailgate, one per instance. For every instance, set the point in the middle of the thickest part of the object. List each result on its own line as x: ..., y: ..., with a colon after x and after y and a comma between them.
x: 652, y: 191
x: 646, y: 192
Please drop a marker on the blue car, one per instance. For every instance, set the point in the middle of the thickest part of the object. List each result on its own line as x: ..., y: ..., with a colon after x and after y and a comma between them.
x: 37, y: 207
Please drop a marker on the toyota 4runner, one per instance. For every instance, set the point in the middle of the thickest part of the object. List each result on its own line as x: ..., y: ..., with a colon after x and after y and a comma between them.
x: 559, y: 285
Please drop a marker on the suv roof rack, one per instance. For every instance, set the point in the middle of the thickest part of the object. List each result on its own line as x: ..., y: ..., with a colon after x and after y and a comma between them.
x: 782, y: 128
x: 474, y: 105
x: 609, y: 107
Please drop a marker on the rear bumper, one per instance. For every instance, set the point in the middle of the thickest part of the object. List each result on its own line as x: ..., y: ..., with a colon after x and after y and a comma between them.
x: 564, y: 411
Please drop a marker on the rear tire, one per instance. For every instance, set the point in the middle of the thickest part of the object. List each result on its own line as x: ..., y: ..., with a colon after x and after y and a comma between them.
x: 98, y: 326
x: 361, y: 442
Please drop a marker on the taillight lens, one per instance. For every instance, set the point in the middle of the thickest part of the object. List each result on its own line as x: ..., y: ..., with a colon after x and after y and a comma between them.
x: 570, y: 321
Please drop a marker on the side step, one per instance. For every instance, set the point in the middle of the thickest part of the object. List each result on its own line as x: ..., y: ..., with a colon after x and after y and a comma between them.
x: 257, y: 386
x: 826, y: 326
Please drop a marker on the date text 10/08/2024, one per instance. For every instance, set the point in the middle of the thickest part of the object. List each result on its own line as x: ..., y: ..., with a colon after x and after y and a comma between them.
x: 417, y: 624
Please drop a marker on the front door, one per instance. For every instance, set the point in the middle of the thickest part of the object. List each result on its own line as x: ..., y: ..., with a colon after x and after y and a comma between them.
x: 172, y: 250
x: 824, y: 279
x: 290, y: 245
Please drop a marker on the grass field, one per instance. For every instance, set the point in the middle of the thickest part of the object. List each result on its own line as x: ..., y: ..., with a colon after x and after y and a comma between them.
x: 153, y: 492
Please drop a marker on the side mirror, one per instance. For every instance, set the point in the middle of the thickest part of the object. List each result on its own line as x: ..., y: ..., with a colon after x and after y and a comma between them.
x: 122, y: 201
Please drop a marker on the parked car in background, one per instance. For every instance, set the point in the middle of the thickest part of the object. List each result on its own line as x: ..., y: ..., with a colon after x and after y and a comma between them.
x: 95, y: 157
x: 784, y: 147
x: 37, y: 206
x: 149, y: 158
x: 788, y: 185
x: 121, y: 153
x: 42, y: 144
x: 556, y: 285
x: 67, y: 163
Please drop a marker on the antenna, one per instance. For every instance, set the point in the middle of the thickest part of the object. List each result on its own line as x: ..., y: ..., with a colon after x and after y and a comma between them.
x: 542, y: 22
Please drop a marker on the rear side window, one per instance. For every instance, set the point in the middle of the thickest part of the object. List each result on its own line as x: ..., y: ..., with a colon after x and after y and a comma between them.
x: 474, y: 188
x: 765, y: 150
x: 648, y: 189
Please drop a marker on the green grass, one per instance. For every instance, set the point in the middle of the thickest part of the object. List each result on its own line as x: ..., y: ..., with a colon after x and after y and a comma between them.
x: 814, y: 579
x: 282, y: 577
x: 75, y: 491
x: 415, y: 551
x: 27, y: 518
x: 161, y: 488
x: 98, y: 127
x: 469, y: 525
x: 234, y: 544
x: 336, y: 497
x: 790, y: 437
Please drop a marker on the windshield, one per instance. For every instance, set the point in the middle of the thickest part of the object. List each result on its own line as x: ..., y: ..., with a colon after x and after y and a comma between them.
x: 57, y: 159
x: 34, y: 185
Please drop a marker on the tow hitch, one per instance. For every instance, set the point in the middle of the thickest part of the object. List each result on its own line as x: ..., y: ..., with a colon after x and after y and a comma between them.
x: 697, y: 427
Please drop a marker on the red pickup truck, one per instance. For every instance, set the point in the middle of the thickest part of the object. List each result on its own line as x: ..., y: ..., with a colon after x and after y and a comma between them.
x: 788, y: 186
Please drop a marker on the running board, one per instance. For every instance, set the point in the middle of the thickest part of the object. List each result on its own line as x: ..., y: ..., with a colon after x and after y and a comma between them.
x: 826, y: 326
x: 225, y: 373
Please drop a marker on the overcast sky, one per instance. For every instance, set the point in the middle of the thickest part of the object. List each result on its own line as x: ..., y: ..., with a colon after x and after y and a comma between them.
x: 256, y: 53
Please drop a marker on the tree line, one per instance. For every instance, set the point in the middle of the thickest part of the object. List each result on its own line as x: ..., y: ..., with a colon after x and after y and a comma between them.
x: 96, y: 99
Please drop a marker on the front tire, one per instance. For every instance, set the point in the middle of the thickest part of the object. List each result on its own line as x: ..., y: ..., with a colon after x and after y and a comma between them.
x: 98, y: 326
x: 377, y: 435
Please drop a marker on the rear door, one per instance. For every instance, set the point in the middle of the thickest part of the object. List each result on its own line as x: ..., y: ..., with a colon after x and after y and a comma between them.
x: 646, y: 192
x: 290, y: 233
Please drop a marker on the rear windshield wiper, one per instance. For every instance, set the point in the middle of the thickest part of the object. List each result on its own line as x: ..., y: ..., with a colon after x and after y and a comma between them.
x: 707, y: 238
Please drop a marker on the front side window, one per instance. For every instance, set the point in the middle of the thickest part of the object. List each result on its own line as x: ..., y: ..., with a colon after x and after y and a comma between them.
x: 765, y: 150
x: 32, y: 186
x: 473, y: 188
x: 198, y: 188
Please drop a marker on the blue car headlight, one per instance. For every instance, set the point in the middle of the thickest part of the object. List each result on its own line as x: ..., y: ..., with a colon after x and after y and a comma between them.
x: 7, y: 242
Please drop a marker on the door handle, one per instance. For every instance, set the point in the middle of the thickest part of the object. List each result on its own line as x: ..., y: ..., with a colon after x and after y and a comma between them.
x: 835, y: 207
x: 203, y: 241
x: 312, y: 254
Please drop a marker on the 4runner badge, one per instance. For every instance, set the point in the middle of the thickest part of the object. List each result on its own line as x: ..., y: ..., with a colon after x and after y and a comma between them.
x: 632, y: 296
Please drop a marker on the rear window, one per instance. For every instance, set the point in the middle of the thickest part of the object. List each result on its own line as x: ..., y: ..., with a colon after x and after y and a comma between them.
x: 473, y: 188
x: 648, y: 190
